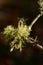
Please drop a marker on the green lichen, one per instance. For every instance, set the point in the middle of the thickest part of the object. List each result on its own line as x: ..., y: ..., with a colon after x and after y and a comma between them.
x: 17, y: 36
x: 40, y: 2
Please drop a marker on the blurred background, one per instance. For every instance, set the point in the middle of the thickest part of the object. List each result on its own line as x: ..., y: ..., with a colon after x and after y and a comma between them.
x: 10, y: 10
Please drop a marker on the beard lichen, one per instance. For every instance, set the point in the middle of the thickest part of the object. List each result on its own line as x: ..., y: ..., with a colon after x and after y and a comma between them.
x: 40, y: 2
x: 17, y: 36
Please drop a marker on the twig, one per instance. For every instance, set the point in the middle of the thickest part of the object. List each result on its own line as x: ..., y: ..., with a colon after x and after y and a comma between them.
x: 34, y: 21
x: 40, y: 46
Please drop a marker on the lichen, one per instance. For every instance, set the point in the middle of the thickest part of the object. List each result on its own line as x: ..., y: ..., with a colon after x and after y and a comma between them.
x: 40, y: 2
x: 17, y: 36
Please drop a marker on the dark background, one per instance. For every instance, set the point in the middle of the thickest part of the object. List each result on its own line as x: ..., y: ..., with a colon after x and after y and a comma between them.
x: 10, y: 10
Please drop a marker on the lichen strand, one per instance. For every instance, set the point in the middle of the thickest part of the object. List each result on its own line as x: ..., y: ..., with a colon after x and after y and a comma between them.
x: 19, y: 35
x: 23, y: 30
x: 40, y: 2
x: 9, y: 32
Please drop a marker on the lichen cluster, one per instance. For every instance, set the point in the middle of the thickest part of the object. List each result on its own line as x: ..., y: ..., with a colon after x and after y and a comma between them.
x: 17, y: 36
x: 40, y: 2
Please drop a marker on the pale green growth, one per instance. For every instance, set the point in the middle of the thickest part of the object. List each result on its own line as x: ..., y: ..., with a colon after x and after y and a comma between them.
x: 9, y: 32
x: 40, y: 2
x: 23, y: 30
x: 18, y: 36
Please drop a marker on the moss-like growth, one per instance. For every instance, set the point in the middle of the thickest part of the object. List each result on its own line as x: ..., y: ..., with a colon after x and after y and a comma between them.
x: 17, y: 36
